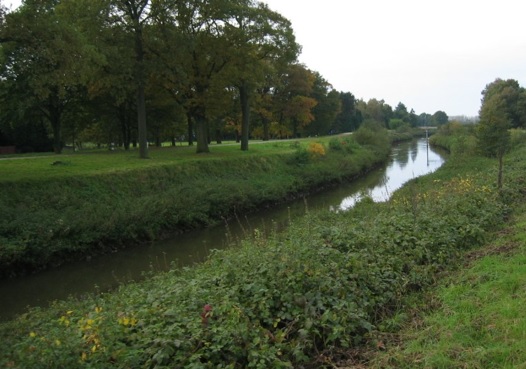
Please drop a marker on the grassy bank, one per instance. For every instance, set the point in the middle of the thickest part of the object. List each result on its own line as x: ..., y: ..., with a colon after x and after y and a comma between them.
x: 308, y: 297
x: 54, y: 210
x: 473, y: 317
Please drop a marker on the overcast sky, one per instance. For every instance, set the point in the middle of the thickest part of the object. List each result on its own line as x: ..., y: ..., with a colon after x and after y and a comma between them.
x: 428, y: 54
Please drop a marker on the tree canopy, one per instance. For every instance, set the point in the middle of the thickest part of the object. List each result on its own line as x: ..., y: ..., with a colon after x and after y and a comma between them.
x: 500, y: 110
x: 140, y: 72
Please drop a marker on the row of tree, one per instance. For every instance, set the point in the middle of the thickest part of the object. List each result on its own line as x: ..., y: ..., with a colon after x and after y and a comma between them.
x: 99, y: 70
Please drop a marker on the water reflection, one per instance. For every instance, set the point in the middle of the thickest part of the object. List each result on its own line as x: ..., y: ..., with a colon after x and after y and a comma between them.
x: 405, y: 164
x: 407, y: 161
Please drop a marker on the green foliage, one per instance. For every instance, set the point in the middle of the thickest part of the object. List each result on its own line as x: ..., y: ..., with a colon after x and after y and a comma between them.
x: 493, y: 129
x: 371, y: 134
x: 440, y: 118
x: 301, y: 156
x: 457, y: 138
x: 511, y: 100
x: 346, y: 144
x: 100, y: 202
x: 321, y: 287
x: 397, y: 123
x: 517, y: 137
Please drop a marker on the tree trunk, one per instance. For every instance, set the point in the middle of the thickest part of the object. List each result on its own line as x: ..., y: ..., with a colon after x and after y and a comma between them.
x: 141, y: 105
x: 158, y: 141
x: 501, y: 164
x: 125, y: 126
x: 245, y: 115
x: 55, y: 113
x: 201, y: 129
x: 57, y: 142
x: 190, y: 121
x: 266, y: 129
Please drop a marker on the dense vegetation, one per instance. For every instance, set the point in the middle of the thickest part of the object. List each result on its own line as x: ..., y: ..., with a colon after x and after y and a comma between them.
x: 473, y: 317
x: 92, y: 203
x: 300, y: 298
x: 128, y: 72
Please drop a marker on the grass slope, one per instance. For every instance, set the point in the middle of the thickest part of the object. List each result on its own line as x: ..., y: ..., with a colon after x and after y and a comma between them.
x: 474, y: 316
x: 97, y: 202
x: 305, y: 298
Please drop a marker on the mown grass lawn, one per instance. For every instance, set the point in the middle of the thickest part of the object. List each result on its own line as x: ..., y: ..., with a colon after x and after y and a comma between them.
x: 27, y: 167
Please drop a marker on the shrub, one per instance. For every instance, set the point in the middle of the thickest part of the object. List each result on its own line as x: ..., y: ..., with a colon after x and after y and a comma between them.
x: 376, y: 138
x: 316, y: 150
x: 345, y: 144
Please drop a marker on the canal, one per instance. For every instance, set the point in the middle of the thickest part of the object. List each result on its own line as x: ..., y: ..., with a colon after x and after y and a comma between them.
x: 408, y: 160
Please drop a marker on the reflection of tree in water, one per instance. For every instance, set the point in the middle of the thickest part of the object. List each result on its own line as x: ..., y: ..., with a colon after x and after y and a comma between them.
x: 407, y: 162
x: 414, y: 150
x: 401, y: 155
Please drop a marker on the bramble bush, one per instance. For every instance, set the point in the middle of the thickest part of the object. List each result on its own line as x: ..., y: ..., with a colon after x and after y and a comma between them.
x: 280, y: 301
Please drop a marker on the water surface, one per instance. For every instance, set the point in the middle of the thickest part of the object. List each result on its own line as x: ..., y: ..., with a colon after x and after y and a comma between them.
x: 407, y: 161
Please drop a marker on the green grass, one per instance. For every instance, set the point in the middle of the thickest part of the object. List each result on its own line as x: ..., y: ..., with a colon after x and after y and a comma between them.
x: 474, y: 317
x: 480, y: 321
x: 89, y: 162
x: 301, y: 298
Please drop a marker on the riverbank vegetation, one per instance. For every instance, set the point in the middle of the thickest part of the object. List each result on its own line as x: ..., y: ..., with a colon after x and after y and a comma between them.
x: 86, y: 204
x: 310, y: 296
x: 473, y: 316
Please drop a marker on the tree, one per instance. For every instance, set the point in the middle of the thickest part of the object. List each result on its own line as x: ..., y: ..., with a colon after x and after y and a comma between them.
x: 47, y: 59
x: 292, y: 99
x: 349, y: 117
x: 194, y: 51
x: 401, y: 112
x: 439, y: 118
x: 512, y: 100
x: 264, y: 101
x: 134, y: 14
x: 425, y: 119
x: 327, y: 107
x: 261, y: 37
x: 495, y: 122
x: 376, y: 110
